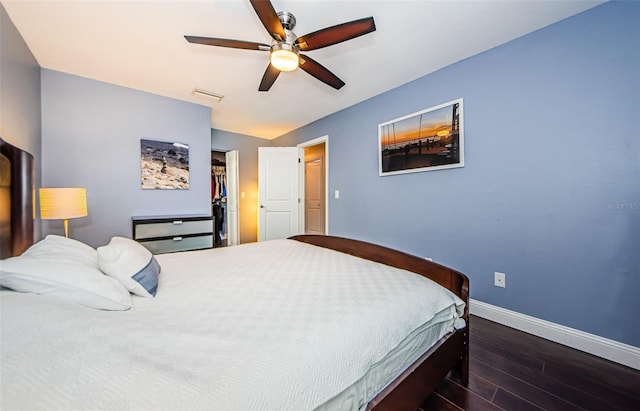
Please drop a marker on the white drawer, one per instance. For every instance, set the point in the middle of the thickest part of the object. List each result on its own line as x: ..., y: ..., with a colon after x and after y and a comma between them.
x: 172, y: 228
x: 178, y: 243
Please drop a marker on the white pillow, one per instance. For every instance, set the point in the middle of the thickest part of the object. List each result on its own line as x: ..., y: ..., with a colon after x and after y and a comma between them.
x: 57, y: 248
x: 71, y: 281
x: 130, y: 263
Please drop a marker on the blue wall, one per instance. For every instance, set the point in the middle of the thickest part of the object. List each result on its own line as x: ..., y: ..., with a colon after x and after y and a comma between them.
x: 20, y: 91
x: 91, y: 138
x: 550, y: 193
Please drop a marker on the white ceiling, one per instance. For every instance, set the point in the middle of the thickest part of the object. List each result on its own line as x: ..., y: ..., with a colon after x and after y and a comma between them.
x: 140, y: 44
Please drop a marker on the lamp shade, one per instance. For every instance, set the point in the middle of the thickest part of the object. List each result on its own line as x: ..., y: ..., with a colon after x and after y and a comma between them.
x: 284, y: 57
x: 63, y: 203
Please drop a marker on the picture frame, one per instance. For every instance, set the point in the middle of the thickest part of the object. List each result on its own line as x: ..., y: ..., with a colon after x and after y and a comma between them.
x: 164, y: 165
x: 427, y: 140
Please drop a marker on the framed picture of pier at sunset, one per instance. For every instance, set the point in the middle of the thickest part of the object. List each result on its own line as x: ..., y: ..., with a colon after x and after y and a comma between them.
x: 431, y: 139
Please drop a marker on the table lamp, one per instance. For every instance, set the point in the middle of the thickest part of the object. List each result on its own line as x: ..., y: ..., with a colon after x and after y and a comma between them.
x: 63, y: 204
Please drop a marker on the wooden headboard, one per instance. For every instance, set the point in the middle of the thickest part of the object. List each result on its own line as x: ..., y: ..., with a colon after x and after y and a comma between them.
x: 17, y: 191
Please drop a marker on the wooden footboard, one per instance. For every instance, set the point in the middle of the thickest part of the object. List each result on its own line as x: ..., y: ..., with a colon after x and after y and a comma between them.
x: 411, y: 388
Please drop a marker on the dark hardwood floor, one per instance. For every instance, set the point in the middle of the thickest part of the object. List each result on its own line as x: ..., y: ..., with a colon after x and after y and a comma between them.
x: 513, y: 370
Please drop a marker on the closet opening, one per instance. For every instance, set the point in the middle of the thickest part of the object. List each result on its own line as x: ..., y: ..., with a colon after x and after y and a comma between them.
x: 219, y: 189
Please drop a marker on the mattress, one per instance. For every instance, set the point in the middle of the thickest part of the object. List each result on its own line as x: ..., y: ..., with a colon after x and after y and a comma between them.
x: 276, y: 325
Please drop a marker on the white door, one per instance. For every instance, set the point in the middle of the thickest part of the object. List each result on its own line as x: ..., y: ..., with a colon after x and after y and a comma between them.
x: 279, y: 193
x: 233, y: 184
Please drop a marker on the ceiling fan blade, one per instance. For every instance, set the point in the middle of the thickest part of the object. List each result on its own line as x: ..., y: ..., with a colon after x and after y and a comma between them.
x: 269, y: 77
x: 267, y: 15
x: 320, y: 72
x: 336, y: 34
x: 235, y: 44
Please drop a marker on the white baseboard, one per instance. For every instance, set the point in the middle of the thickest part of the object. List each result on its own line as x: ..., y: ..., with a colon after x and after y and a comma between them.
x: 602, y: 347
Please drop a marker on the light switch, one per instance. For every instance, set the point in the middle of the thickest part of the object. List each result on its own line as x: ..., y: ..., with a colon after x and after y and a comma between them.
x: 336, y: 194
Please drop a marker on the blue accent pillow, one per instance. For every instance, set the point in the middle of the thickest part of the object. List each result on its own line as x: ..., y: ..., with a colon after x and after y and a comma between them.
x: 148, y: 276
x: 130, y: 263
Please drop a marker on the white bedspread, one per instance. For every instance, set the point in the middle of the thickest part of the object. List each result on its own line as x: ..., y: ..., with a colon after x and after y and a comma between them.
x: 273, y: 325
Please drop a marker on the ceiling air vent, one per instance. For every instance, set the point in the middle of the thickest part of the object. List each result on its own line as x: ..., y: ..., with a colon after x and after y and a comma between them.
x: 208, y: 94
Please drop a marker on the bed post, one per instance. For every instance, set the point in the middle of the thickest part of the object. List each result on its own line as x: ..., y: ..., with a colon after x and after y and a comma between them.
x: 463, y: 365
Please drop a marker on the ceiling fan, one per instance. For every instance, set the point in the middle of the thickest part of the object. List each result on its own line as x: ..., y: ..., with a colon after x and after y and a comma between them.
x: 286, y: 46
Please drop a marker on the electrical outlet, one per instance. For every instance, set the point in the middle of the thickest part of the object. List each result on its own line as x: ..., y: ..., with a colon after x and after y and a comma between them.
x: 499, y: 279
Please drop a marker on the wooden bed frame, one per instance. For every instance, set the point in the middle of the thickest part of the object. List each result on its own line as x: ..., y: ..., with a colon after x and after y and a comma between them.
x: 407, y: 392
x: 412, y: 387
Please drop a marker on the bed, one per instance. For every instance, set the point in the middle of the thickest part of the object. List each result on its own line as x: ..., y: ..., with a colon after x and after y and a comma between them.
x: 310, y: 322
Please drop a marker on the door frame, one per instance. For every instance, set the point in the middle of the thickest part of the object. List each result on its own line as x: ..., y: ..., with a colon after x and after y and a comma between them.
x: 237, y: 191
x: 314, y: 142
x: 233, y: 197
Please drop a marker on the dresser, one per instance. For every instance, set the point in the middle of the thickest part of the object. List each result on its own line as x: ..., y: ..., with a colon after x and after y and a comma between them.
x: 168, y: 234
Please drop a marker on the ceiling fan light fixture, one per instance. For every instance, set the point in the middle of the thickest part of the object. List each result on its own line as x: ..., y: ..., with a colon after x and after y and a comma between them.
x: 285, y: 46
x: 284, y: 57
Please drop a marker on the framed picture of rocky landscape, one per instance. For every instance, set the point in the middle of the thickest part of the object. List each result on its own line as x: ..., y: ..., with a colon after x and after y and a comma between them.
x: 164, y: 165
